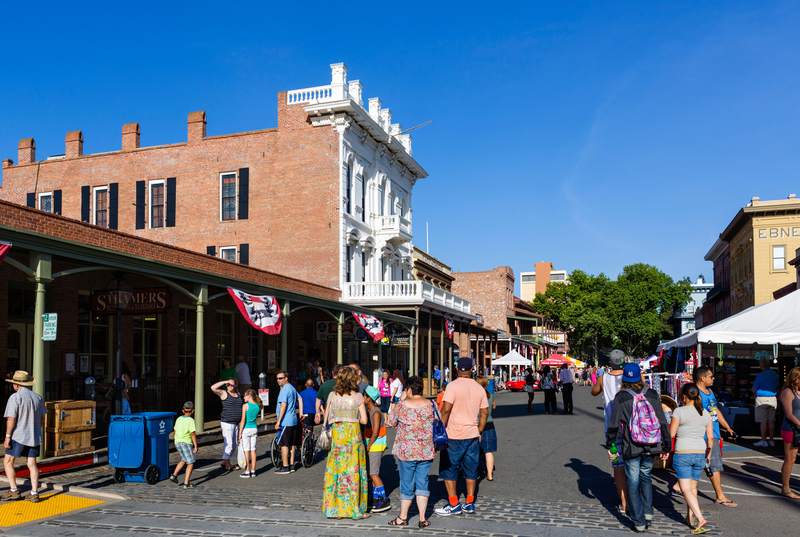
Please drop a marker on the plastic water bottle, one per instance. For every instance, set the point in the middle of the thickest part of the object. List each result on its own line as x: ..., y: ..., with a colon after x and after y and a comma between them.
x: 613, y: 451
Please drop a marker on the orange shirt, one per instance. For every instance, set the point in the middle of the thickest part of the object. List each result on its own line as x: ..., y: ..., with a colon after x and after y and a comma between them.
x: 468, y: 398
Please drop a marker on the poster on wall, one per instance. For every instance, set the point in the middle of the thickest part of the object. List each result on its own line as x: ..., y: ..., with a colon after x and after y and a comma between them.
x: 271, y: 359
x: 69, y: 362
x: 84, y: 363
x: 327, y: 331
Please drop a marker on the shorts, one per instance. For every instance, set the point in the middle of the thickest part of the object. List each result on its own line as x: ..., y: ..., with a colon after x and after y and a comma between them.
x: 18, y: 450
x: 291, y: 436
x: 386, y: 401
x: 716, y: 456
x: 249, y: 437
x: 395, y: 400
x: 460, y: 453
x: 186, y: 452
x: 374, y: 462
x: 489, y: 439
x: 308, y: 421
x: 765, y: 409
x: 620, y: 462
x: 787, y: 436
x: 689, y: 465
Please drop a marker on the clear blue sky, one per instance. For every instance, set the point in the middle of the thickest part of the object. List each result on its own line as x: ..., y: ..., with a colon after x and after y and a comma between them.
x: 591, y: 135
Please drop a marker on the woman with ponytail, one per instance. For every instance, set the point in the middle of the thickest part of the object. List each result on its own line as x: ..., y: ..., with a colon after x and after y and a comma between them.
x: 248, y: 431
x: 693, y: 431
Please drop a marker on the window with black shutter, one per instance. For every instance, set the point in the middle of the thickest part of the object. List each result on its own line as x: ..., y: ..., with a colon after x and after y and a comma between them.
x: 244, y: 193
x: 244, y: 254
x: 56, y: 202
x: 113, y: 205
x: 170, y: 202
x: 211, y: 250
x: 141, y: 188
x: 86, y: 203
x: 31, y: 201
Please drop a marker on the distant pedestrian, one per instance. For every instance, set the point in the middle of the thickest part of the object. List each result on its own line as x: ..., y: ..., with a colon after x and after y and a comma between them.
x: 385, y: 387
x: 594, y: 376
x: 464, y: 400
x: 567, y: 379
x: 289, y: 431
x: 437, y: 376
x: 690, y: 424
x: 248, y: 431
x: 608, y: 384
x: 232, y: 404
x: 375, y: 438
x: 362, y: 384
x: 345, y: 494
x: 548, y: 384
x: 765, y: 388
x: 126, y: 389
x: 325, y: 390
x: 309, y: 399
x: 228, y: 371
x: 636, y: 410
x: 790, y: 400
x: 397, y: 387
x: 413, y: 446
x: 489, y: 434
x: 25, y: 414
x: 185, y: 441
x: 243, y: 373
x: 530, y: 388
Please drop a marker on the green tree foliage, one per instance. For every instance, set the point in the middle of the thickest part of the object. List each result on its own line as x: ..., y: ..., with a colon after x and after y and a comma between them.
x: 631, y: 313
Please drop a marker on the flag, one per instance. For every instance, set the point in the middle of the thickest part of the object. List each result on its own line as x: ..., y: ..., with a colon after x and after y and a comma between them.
x: 450, y: 326
x: 371, y: 324
x: 262, y: 312
x: 4, y: 248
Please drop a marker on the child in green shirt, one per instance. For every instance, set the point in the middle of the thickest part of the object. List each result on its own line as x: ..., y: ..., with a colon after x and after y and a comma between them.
x: 186, y: 444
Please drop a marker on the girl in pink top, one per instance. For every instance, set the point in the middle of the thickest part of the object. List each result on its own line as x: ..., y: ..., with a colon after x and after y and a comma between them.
x: 385, y: 387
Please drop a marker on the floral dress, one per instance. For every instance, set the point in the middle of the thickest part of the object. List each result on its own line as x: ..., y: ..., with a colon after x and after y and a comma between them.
x: 345, y: 494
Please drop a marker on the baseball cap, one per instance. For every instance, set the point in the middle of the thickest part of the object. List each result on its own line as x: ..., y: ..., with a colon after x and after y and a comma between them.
x: 617, y: 358
x: 464, y: 364
x: 188, y: 405
x: 631, y: 373
x: 373, y: 393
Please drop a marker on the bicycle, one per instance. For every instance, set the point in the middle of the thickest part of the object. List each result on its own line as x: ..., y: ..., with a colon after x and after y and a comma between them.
x: 308, y: 448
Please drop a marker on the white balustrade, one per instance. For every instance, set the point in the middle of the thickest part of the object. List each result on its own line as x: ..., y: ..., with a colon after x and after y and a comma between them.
x: 402, y: 292
x: 319, y: 94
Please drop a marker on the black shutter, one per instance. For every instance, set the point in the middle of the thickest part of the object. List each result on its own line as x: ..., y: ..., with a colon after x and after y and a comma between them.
x: 244, y: 192
x: 56, y: 202
x: 86, y: 203
x: 140, y: 206
x: 31, y: 200
x: 170, y: 202
x: 113, y: 205
x: 211, y: 250
x: 244, y: 254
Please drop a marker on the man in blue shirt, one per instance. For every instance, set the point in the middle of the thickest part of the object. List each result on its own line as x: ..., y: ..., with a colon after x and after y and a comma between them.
x: 308, y: 400
x: 437, y: 376
x: 765, y: 388
x: 289, y: 431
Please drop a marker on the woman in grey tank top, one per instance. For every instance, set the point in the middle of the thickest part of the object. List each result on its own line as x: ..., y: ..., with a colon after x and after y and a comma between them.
x: 790, y: 399
x: 232, y: 404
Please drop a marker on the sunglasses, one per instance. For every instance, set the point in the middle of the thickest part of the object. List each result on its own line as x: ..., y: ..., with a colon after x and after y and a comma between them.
x: 279, y: 378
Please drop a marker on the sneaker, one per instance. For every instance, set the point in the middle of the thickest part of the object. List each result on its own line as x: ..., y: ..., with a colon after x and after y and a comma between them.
x: 381, y: 505
x: 469, y: 508
x: 245, y: 475
x: 293, y: 468
x: 189, y: 486
x: 173, y: 478
x: 771, y: 443
x: 283, y: 470
x: 11, y: 495
x: 761, y: 443
x: 32, y: 497
x: 448, y: 510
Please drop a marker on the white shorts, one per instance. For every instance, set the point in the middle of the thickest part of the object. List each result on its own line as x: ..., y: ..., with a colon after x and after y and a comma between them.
x: 249, y: 437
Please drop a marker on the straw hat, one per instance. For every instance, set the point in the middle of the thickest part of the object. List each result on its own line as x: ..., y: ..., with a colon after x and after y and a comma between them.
x: 22, y: 378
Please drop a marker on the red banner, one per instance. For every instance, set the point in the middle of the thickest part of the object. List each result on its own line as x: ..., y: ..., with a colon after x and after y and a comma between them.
x: 371, y: 324
x: 262, y: 312
x: 4, y: 248
x: 450, y: 326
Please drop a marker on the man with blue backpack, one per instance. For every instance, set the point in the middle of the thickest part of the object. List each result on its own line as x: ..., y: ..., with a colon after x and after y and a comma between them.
x: 638, y: 429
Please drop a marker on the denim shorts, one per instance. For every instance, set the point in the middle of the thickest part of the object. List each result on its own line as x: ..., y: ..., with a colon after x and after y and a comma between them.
x: 18, y: 450
x: 463, y: 453
x: 689, y: 465
x: 489, y: 440
x: 386, y: 401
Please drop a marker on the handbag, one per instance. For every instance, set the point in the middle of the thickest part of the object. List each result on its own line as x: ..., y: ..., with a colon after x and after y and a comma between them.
x: 440, y: 439
x: 795, y: 435
x: 324, y: 440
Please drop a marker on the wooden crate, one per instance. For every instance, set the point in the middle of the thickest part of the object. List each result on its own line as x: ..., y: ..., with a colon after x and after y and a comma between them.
x: 68, y: 427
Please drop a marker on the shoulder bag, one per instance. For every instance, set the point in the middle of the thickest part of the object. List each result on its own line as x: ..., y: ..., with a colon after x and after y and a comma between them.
x: 324, y: 440
x: 440, y: 439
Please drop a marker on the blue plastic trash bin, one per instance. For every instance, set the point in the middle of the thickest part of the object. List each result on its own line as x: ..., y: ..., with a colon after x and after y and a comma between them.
x: 138, y: 446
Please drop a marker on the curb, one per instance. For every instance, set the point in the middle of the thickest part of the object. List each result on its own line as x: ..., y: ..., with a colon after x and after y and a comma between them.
x: 73, y: 489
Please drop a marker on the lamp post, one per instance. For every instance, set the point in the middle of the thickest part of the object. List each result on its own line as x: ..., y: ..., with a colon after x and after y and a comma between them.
x: 123, y: 299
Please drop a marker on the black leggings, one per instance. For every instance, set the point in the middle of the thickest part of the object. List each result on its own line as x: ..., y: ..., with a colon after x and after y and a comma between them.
x: 550, y: 401
x: 530, y: 399
x: 566, y: 391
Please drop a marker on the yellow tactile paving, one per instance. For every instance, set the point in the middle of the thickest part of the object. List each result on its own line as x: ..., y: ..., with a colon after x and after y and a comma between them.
x: 21, y: 511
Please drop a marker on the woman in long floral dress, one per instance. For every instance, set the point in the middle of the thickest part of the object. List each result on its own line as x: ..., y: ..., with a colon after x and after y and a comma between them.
x: 345, y: 493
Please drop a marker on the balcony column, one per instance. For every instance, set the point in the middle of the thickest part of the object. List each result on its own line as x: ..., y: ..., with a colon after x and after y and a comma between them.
x: 441, y: 349
x: 469, y: 339
x: 411, y: 346
x: 339, y: 338
x: 285, y: 335
x: 430, y: 352
x: 41, y: 265
x: 201, y: 292
x: 451, y: 349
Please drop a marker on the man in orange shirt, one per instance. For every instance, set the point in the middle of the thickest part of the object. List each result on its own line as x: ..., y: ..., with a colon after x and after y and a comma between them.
x: 464, y: 400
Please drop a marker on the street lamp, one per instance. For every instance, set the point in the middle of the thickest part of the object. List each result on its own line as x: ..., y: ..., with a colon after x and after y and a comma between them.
x: 123, y: 294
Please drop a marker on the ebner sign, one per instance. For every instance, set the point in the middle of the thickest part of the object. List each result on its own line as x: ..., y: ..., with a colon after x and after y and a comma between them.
x: 141, y: 301
x: 778, y: 232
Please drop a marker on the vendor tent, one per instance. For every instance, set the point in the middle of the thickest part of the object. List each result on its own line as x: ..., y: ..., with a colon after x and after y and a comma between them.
x: 555, y: 359
x: 765, y: 324
x: 512, y: 358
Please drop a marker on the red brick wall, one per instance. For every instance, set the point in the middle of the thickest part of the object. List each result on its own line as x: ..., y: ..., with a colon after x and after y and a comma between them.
x: 491, y: 294
x: 294, y: 203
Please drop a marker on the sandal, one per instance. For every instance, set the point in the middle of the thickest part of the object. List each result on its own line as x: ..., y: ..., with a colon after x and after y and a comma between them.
x: 362, y: 517
x: 688, y: 522
x: 698, y: 531
x: 424, y: 524
x: 727, y: 503
x: 399, y: 522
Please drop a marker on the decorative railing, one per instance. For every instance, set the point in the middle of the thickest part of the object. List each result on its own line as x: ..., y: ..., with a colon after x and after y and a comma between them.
x: 319, y: 94
x: 402, y: 292
x: 394, y: 224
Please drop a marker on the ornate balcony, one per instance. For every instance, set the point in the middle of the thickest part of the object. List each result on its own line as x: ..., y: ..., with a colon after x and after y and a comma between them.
x: 393, y: 228
x: 410, y: 293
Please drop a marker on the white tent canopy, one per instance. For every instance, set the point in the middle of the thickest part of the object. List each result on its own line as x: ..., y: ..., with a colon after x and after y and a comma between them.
x: 512, y: 358
x: 765, y: 324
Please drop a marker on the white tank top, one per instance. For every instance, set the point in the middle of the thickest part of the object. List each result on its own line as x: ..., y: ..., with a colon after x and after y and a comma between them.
x: 611, y: 386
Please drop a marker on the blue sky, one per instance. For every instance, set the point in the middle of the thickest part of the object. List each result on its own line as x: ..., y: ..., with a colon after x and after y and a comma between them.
x: 592, y: 135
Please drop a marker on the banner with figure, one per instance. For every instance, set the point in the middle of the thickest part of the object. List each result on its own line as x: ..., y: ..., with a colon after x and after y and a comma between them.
x: 262, y: 312
x: 371, y: 324
x: 450, y: 326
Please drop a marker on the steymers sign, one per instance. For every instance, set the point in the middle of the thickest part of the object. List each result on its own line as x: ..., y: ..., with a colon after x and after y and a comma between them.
x: 139, y: 301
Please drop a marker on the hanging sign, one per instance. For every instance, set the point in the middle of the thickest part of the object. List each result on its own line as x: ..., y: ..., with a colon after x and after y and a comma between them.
x: 50, y: 326
x: 449, y: 326
x: 137, y: 302
x: 371, y: 324
x: 262, y: 312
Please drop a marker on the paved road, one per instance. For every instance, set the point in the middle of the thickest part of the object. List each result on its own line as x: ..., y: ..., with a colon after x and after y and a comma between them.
x: 552, y: 478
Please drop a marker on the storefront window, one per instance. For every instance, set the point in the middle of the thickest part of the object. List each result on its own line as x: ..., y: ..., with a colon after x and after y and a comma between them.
x: 187, y: 339
x: 94, y: 340
x: 145, y: 346
x: 224, y: 336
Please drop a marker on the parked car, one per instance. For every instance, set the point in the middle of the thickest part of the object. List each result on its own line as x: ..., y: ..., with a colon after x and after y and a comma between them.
x: 515, y: 384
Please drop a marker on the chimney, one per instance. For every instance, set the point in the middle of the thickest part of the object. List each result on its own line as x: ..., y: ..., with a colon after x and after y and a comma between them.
x: 375, y: 109
x: 26, y: 151
x: 355, y: 92
x: 792, y: 197
x: 197, y: 127
x: 338, y: 81
x: 754, y: 201
x: 7, y: 162
x: 74, y: 144
x: 130, y: 136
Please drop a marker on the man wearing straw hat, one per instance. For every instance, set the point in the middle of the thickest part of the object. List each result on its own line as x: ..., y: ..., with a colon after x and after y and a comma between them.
x: 25, y: 412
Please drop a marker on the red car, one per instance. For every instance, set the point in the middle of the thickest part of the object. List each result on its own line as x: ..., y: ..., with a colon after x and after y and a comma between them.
x: 518, y: 383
